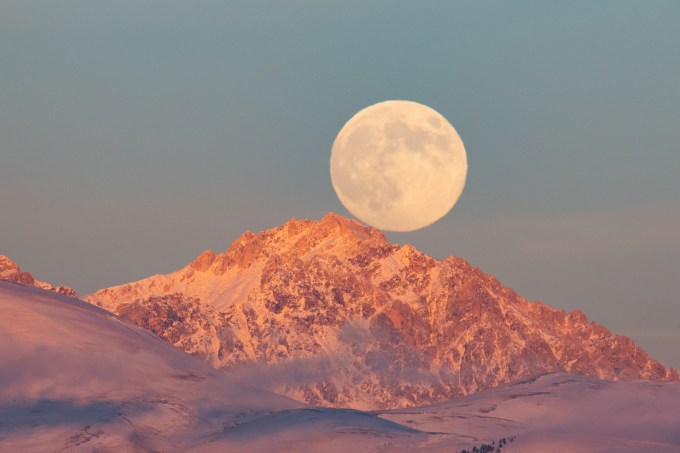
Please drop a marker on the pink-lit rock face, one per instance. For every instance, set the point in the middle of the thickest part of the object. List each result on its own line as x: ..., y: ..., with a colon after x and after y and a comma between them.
x: 10, y: 271
x: 349, y: 320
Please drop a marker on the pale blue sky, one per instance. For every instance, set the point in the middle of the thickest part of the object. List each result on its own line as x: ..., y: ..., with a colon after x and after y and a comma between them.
x: 134, y: 135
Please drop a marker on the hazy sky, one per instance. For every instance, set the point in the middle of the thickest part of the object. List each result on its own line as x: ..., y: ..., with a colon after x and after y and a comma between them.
x: 134, y: 135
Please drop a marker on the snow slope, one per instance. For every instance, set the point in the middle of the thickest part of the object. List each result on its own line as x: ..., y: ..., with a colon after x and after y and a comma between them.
x: 74, y: 377
x: 560, y: 413
x: 550, y: 413
x: 72, y: 374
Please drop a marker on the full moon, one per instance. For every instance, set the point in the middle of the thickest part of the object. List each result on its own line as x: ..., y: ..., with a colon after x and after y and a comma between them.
x: 398, y: 166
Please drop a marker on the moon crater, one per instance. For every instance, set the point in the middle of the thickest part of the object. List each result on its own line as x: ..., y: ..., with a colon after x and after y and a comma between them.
x: 398, y: 165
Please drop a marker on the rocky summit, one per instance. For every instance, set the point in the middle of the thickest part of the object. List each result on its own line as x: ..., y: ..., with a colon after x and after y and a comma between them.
x: 10, y: 271
x: 340, y: 317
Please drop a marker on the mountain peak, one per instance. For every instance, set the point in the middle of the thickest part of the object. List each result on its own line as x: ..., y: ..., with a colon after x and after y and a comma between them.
x: 364, y: 323
x: 203, y: 261
x: 293, y: 238
x: 10, y: 271
x: 340, y: 225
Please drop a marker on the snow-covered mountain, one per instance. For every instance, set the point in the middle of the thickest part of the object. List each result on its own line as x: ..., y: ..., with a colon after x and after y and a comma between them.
x: 349, y: 320
x: 76, y: 378
x: 10, y: 271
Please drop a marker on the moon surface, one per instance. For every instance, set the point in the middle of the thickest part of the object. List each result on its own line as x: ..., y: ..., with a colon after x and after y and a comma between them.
x: 398, y: 166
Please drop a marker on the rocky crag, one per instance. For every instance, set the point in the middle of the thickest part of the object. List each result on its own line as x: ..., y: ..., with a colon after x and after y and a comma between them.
x: 10, y: 271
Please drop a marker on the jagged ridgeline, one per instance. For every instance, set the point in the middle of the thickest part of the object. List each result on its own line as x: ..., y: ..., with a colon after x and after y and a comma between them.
x: 11, y: 272
x: 343, y: 318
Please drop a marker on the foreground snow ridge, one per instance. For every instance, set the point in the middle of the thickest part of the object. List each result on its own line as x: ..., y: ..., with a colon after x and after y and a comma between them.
x: 74, y: 377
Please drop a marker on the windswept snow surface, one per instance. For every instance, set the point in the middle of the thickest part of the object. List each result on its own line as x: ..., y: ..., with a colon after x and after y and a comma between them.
x: 74, y: 377
x: 560, y: 413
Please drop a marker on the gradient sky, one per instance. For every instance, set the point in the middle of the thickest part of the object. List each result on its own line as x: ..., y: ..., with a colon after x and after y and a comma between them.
x: 134, y: 135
